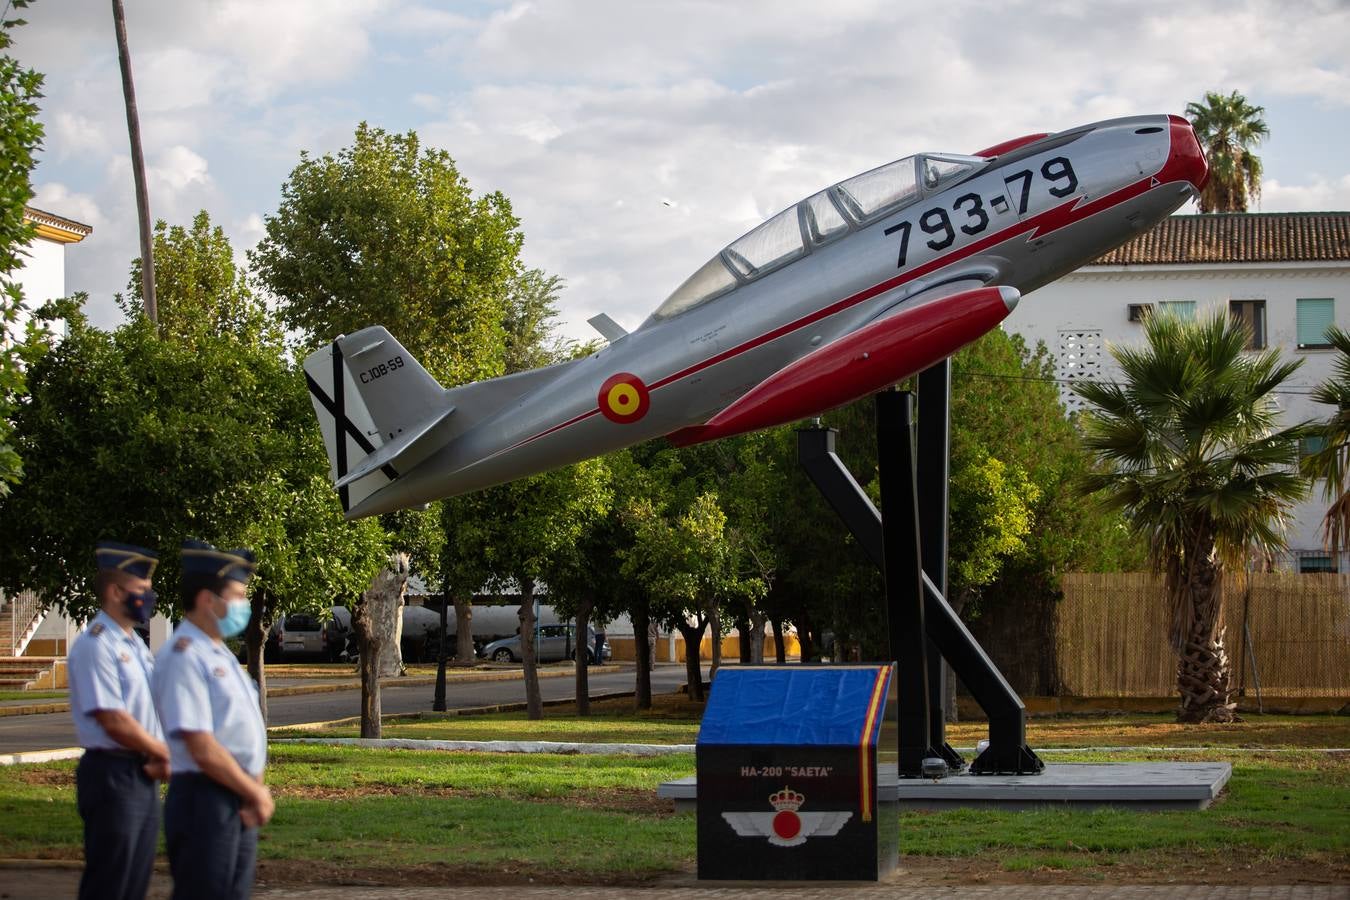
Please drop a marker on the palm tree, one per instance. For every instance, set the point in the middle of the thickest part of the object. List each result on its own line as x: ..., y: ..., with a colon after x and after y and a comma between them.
x: 1190, y: 452
x: 1228, y: 127
x: 1332, y: 461
x: 137, y: 166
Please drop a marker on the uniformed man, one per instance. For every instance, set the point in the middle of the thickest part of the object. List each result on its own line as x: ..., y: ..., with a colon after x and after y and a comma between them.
x: 217, y: 743
x: 116, y: 782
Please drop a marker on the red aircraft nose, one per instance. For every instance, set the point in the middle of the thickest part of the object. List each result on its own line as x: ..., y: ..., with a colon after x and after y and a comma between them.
x: 1187, y: 160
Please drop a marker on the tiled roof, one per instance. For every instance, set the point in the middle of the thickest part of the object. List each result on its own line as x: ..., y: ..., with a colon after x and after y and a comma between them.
x: 42, y: 217
x: 1238, y: 238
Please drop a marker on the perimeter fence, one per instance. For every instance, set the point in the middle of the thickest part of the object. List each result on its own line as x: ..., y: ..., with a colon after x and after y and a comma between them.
x: 1287, y: 635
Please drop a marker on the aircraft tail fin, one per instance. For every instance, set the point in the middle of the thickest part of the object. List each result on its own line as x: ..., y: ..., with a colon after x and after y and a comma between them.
x: 380, y: 412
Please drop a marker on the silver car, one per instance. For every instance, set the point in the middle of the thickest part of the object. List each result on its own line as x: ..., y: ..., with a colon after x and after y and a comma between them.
x: 555, y: 643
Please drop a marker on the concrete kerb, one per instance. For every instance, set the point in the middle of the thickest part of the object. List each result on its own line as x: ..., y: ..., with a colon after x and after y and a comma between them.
x: 41, y: 756
x: 332, y: 688
x: 558, y: 747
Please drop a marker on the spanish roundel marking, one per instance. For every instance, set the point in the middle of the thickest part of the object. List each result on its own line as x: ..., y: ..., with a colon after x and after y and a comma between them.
x: 624, y: 398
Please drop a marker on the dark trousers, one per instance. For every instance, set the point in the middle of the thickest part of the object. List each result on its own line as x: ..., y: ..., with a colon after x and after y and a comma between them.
x: 211, y: 854
x: 120, y: 807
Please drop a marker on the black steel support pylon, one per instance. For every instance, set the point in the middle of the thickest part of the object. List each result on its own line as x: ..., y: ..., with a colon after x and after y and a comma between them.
x: 934, y: 443
x: 1007, y: 752
x: 902, y: 565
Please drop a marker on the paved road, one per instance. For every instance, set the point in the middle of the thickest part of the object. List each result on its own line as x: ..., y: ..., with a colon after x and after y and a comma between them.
x: 53, y: 730
x: 43, y: 883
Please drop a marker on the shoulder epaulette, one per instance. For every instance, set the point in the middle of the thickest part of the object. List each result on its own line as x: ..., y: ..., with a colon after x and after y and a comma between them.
x: 96, y: 629
x: 182, y: 644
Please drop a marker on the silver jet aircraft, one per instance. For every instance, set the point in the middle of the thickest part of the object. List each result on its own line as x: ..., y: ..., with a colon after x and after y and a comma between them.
x: 850, y: 290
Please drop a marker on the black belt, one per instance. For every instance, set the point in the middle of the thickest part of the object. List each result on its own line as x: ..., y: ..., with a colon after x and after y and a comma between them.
x: 119, y: 754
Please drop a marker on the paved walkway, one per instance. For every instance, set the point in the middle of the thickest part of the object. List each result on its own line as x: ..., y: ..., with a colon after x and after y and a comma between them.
x: 44, y: 883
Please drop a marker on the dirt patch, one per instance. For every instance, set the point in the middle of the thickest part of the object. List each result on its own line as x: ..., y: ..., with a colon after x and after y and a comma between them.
x: 283, y: 872
x: 631, y: 802
x: 46, y: 777
x: 914, y: 870
x: 1132, y: 869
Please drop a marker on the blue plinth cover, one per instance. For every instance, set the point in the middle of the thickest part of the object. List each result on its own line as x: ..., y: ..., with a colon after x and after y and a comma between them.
x: 796, y: 705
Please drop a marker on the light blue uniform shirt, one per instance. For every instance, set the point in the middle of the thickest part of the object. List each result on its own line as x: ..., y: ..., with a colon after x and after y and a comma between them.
x: 109, y: 669
x: 199, y: 686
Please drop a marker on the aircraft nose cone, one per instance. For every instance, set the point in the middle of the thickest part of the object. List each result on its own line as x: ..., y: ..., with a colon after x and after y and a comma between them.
x: 1010, y: 296
x: 1187, y: 158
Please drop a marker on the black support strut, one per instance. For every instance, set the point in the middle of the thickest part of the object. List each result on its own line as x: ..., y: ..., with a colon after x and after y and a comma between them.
x: 935, y: 392
x: 902, y: 566
x: 897, y: 554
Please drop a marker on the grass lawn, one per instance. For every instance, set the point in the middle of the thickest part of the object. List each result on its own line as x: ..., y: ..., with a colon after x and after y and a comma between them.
x: 417, y: 817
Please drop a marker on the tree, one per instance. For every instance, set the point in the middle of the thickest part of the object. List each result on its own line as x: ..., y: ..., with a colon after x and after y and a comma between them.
x: 286, y: 509
x: 20, y: 138
x: 388, y: 231
x: 137, y: 164
x: 530, y: 322
x: 199, y: 289
x: 1228, y: 127
x: 463, y: 571
x: 375, y: 621
x: 524, y: 525
x: 149, y: 440
x: 1196, y: 462
x: 690, y: 566
x: 584, y: 585
x: 1331, y: 463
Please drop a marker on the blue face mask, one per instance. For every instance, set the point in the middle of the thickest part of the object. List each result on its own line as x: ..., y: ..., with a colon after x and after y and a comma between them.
x: 140, y: 606
x: 236, y: 617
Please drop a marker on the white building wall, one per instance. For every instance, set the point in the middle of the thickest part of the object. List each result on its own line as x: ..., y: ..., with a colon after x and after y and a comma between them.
x: 1082, y: 314
x: 43, y: 276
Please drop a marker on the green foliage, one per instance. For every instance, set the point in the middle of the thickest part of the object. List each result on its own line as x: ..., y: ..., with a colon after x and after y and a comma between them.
x: 20, y: 139
x: 686, y: 559
x: 418, y: 533
x: 523, y: 525
x: 531, y: 320
x: 992, y: 506
x: 198, y: 288
x: 1227, y: 128
x: 1332, y: 462
x: 1190, y: 446
x: 1005, y: 407
x: 388, y: 232
x: 151, y: 440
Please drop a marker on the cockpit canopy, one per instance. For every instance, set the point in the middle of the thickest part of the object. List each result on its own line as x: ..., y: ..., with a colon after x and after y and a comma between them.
x: 815, y: 221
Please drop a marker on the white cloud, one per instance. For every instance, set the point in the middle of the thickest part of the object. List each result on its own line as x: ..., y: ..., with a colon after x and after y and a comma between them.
x: 54, y: 196
x: 591, y: 114
x: 1319, y: 194
x: 178, y: 168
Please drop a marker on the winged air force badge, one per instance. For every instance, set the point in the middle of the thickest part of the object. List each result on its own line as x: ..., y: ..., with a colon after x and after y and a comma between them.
x: 786, y: 826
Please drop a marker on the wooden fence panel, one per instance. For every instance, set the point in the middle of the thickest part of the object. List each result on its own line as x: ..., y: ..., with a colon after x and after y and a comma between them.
x: 1112, y: 635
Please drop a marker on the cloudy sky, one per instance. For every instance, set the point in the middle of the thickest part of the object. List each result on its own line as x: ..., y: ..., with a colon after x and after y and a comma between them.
x: 636, y: 138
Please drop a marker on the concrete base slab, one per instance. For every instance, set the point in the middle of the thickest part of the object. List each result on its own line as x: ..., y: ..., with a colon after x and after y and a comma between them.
x: 1131, y: 785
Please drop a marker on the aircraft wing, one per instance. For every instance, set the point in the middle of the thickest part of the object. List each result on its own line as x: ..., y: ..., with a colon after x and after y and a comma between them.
x: 864, y: 361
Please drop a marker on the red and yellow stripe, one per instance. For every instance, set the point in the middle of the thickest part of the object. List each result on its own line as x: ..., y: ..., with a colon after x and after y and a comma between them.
x: 874, y: 708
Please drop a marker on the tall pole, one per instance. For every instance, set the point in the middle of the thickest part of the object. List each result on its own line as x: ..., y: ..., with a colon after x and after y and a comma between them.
x: 137, y: 166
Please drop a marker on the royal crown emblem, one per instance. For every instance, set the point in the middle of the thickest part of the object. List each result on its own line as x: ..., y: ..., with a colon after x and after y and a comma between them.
x: 785, y: 826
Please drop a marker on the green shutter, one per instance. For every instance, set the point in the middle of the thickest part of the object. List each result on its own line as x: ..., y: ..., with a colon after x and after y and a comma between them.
x: 1315, y: 316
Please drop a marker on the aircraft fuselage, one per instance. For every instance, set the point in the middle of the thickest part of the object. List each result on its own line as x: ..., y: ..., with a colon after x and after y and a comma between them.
x: 1022, y: 218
